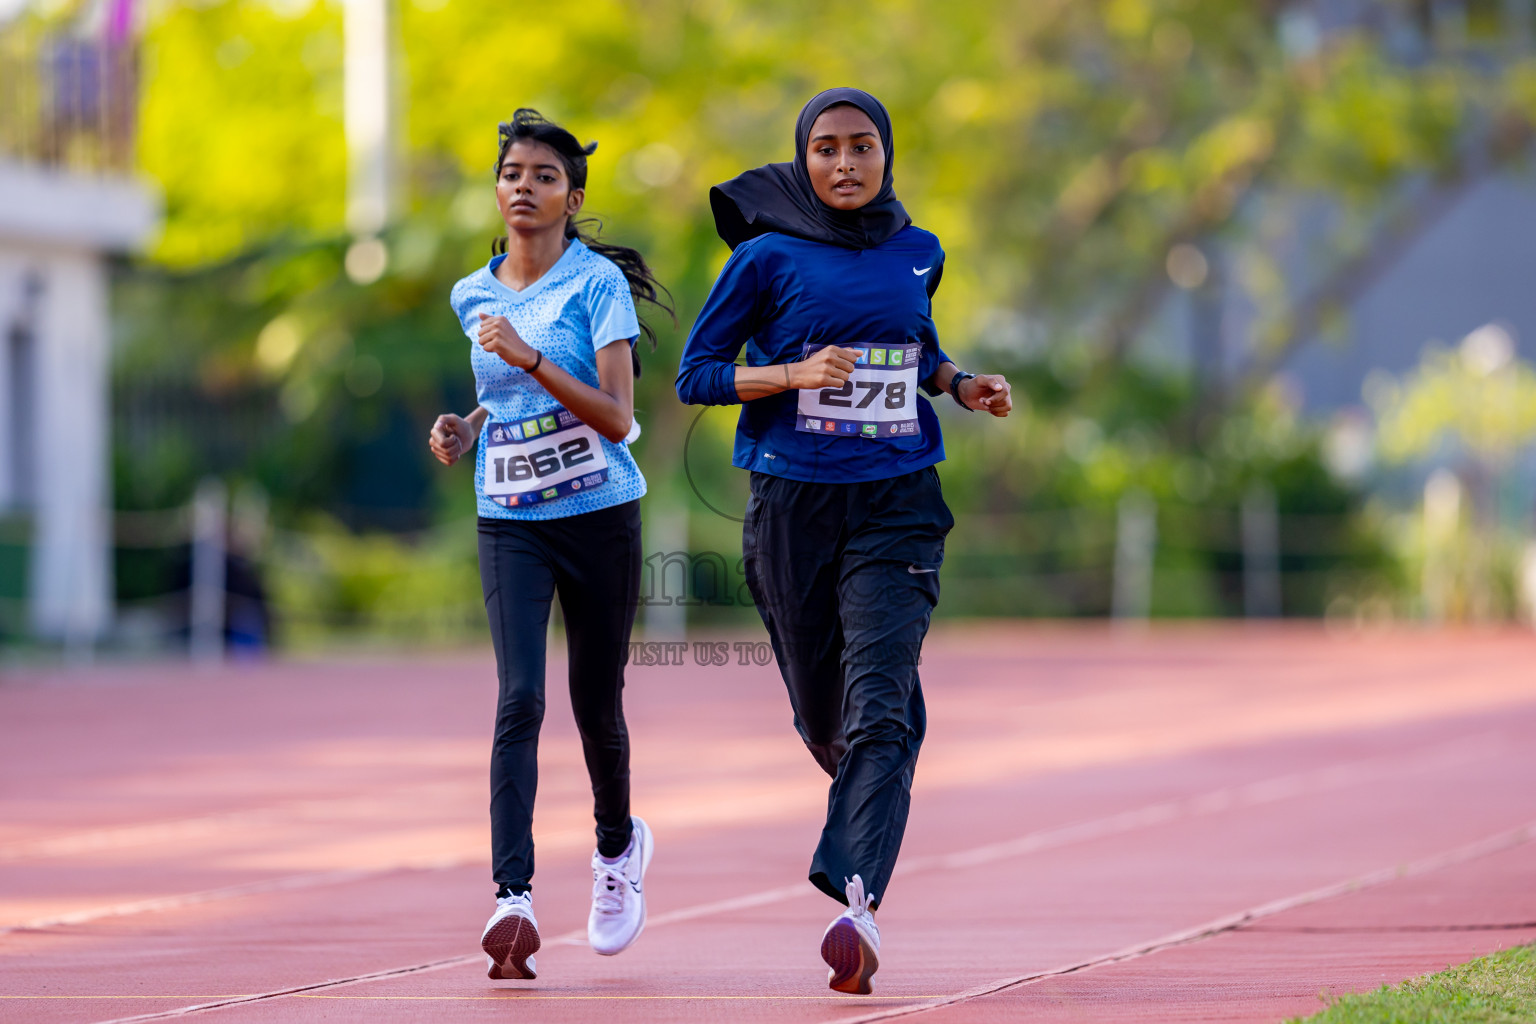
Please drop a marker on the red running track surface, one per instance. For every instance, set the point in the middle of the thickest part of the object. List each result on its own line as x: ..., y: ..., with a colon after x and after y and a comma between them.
x: 1193, y: 823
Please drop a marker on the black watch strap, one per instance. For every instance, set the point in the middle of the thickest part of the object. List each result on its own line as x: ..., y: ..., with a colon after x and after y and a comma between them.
x: 959, y: 378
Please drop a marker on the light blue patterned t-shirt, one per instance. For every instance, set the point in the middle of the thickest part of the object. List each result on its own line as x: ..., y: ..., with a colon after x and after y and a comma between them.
x: 580, y: 305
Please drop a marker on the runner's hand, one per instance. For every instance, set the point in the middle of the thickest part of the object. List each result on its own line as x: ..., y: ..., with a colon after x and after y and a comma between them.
x: 450, y: 438
x: 500, y: 338
x: 829, y: 367
x: 987, y: 392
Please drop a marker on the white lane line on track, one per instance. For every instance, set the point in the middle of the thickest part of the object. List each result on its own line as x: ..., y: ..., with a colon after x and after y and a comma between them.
x: 174, y: 830
x: 1322, y: 780
x: 285, y: 883
x: 296, y: 990
x: 1230, y: 922
x: 126, y: 836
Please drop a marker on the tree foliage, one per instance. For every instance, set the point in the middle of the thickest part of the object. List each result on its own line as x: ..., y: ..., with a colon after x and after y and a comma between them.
x: 1478, y: 397
x: 1070, y: 154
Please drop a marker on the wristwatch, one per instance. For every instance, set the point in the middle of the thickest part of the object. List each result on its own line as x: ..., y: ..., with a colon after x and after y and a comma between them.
x: 959, y: 378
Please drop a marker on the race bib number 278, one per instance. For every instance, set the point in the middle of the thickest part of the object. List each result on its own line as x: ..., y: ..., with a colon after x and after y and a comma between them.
x: 878, y: 401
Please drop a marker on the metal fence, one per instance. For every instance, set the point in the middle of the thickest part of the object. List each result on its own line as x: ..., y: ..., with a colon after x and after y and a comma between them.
x: 1136, y: 561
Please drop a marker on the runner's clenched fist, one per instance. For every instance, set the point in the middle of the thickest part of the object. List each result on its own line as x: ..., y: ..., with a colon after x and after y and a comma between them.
x: 500, y: 338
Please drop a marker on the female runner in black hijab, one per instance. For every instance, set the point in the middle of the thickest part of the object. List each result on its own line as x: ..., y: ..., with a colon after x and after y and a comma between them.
x: 830, y: 289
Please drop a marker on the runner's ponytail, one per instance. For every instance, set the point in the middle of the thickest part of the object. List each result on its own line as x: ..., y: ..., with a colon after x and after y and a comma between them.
x: 530, y: 125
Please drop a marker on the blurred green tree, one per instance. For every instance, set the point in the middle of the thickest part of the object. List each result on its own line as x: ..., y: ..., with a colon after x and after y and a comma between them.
x: 1073, y: 157
x: 1473, y: 406
x: 1476, y: 402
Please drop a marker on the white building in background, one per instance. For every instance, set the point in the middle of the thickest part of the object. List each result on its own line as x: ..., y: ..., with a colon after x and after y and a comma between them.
x: 68, y: 201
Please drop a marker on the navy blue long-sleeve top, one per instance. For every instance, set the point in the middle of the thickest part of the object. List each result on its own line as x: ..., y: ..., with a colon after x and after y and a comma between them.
x: 776, y: 295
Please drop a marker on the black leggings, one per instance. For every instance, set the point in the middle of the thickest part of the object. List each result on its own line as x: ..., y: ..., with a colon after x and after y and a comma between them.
x: 593, y: 562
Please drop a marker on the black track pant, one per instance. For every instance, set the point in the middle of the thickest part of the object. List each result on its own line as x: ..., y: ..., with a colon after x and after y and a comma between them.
x: 593, y: 562
x: 845, y: 577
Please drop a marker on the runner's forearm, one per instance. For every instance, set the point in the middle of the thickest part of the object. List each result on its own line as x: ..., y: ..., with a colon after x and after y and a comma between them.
x: 762, y: 381
x: 943, y: 375
x: 610, y: 415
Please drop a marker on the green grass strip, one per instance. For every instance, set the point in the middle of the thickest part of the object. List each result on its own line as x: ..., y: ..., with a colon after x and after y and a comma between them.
x: 1496, y: 989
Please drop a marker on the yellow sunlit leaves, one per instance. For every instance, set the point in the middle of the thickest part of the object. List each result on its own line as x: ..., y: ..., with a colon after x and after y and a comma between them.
x: 1151, y: 170
x: 961, y: 99
x: 1128, y: 18
x: 1370, y: 119
x: 241, y: 132
x: 278, y: 343
x: 1230, y: 145
x: 1086, y: 193
x: 1457, y: 395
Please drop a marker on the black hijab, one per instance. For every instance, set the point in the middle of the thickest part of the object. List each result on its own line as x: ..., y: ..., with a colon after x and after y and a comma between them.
x: 779, y: 197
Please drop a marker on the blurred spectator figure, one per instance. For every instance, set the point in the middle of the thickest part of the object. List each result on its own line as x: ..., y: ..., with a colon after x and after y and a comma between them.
x: 247, y: 614
x: 247, y: 618
x: 244, y: 606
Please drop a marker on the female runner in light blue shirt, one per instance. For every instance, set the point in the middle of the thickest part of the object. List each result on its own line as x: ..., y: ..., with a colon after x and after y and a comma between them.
x: 553, y: 322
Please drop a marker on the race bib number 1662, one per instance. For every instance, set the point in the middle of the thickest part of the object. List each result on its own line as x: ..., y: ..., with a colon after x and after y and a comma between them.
x: 541, y: 458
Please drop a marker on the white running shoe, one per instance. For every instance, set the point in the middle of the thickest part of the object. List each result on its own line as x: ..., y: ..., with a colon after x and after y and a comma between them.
x: 851, y: 944
x: 511, y: 938
x: 618, y: 894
